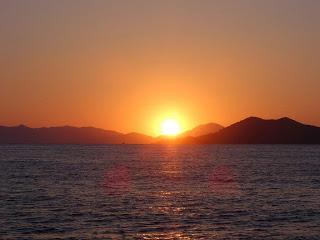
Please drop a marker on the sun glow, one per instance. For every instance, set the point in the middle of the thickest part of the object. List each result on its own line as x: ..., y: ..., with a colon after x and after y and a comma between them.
x: 170, y: 127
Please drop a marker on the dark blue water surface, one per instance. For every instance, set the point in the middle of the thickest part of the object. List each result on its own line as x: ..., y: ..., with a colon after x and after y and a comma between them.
x: 160, y: 192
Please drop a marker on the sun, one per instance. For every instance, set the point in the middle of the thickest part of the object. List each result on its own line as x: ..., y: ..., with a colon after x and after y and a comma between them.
x: 170, y: 127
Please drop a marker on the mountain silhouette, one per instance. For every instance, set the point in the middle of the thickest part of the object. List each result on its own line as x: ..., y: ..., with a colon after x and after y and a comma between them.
x: 202, y: 129
x: 255, y: 130
x: 68, y: 135
x: 251, y: 130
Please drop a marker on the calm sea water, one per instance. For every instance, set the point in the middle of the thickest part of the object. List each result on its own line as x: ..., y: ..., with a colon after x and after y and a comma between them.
x: 160, y: 192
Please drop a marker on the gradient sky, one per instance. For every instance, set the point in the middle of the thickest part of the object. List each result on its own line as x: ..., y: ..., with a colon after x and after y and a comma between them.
x: 127, y: 64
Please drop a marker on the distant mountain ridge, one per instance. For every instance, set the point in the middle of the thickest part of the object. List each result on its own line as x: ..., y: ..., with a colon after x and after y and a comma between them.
x: 252, y: 130
x: 202, y: 129
x: 68, y: 135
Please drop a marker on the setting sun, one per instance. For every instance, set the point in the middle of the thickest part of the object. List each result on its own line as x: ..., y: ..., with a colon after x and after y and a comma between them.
x: 170, y: 127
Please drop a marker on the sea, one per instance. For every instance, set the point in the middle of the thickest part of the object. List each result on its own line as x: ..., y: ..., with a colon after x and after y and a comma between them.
x: 160, y: 192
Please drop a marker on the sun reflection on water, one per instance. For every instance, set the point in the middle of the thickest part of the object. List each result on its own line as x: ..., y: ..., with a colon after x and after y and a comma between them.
x: 167, y: 236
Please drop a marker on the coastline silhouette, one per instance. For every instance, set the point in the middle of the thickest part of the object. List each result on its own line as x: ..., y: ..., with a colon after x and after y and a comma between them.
x: 251, y: 130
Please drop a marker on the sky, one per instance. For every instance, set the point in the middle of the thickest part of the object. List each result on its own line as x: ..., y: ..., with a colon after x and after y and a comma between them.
x: 127, y: 65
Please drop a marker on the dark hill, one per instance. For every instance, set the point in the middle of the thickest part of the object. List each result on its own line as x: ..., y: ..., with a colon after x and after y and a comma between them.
x: 255, y: 130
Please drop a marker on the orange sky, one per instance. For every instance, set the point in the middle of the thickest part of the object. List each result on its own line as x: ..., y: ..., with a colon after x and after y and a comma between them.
x: 127, y: 65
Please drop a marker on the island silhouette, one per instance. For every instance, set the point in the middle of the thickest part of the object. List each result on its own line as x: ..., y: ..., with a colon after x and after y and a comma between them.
x: 252, y: 130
